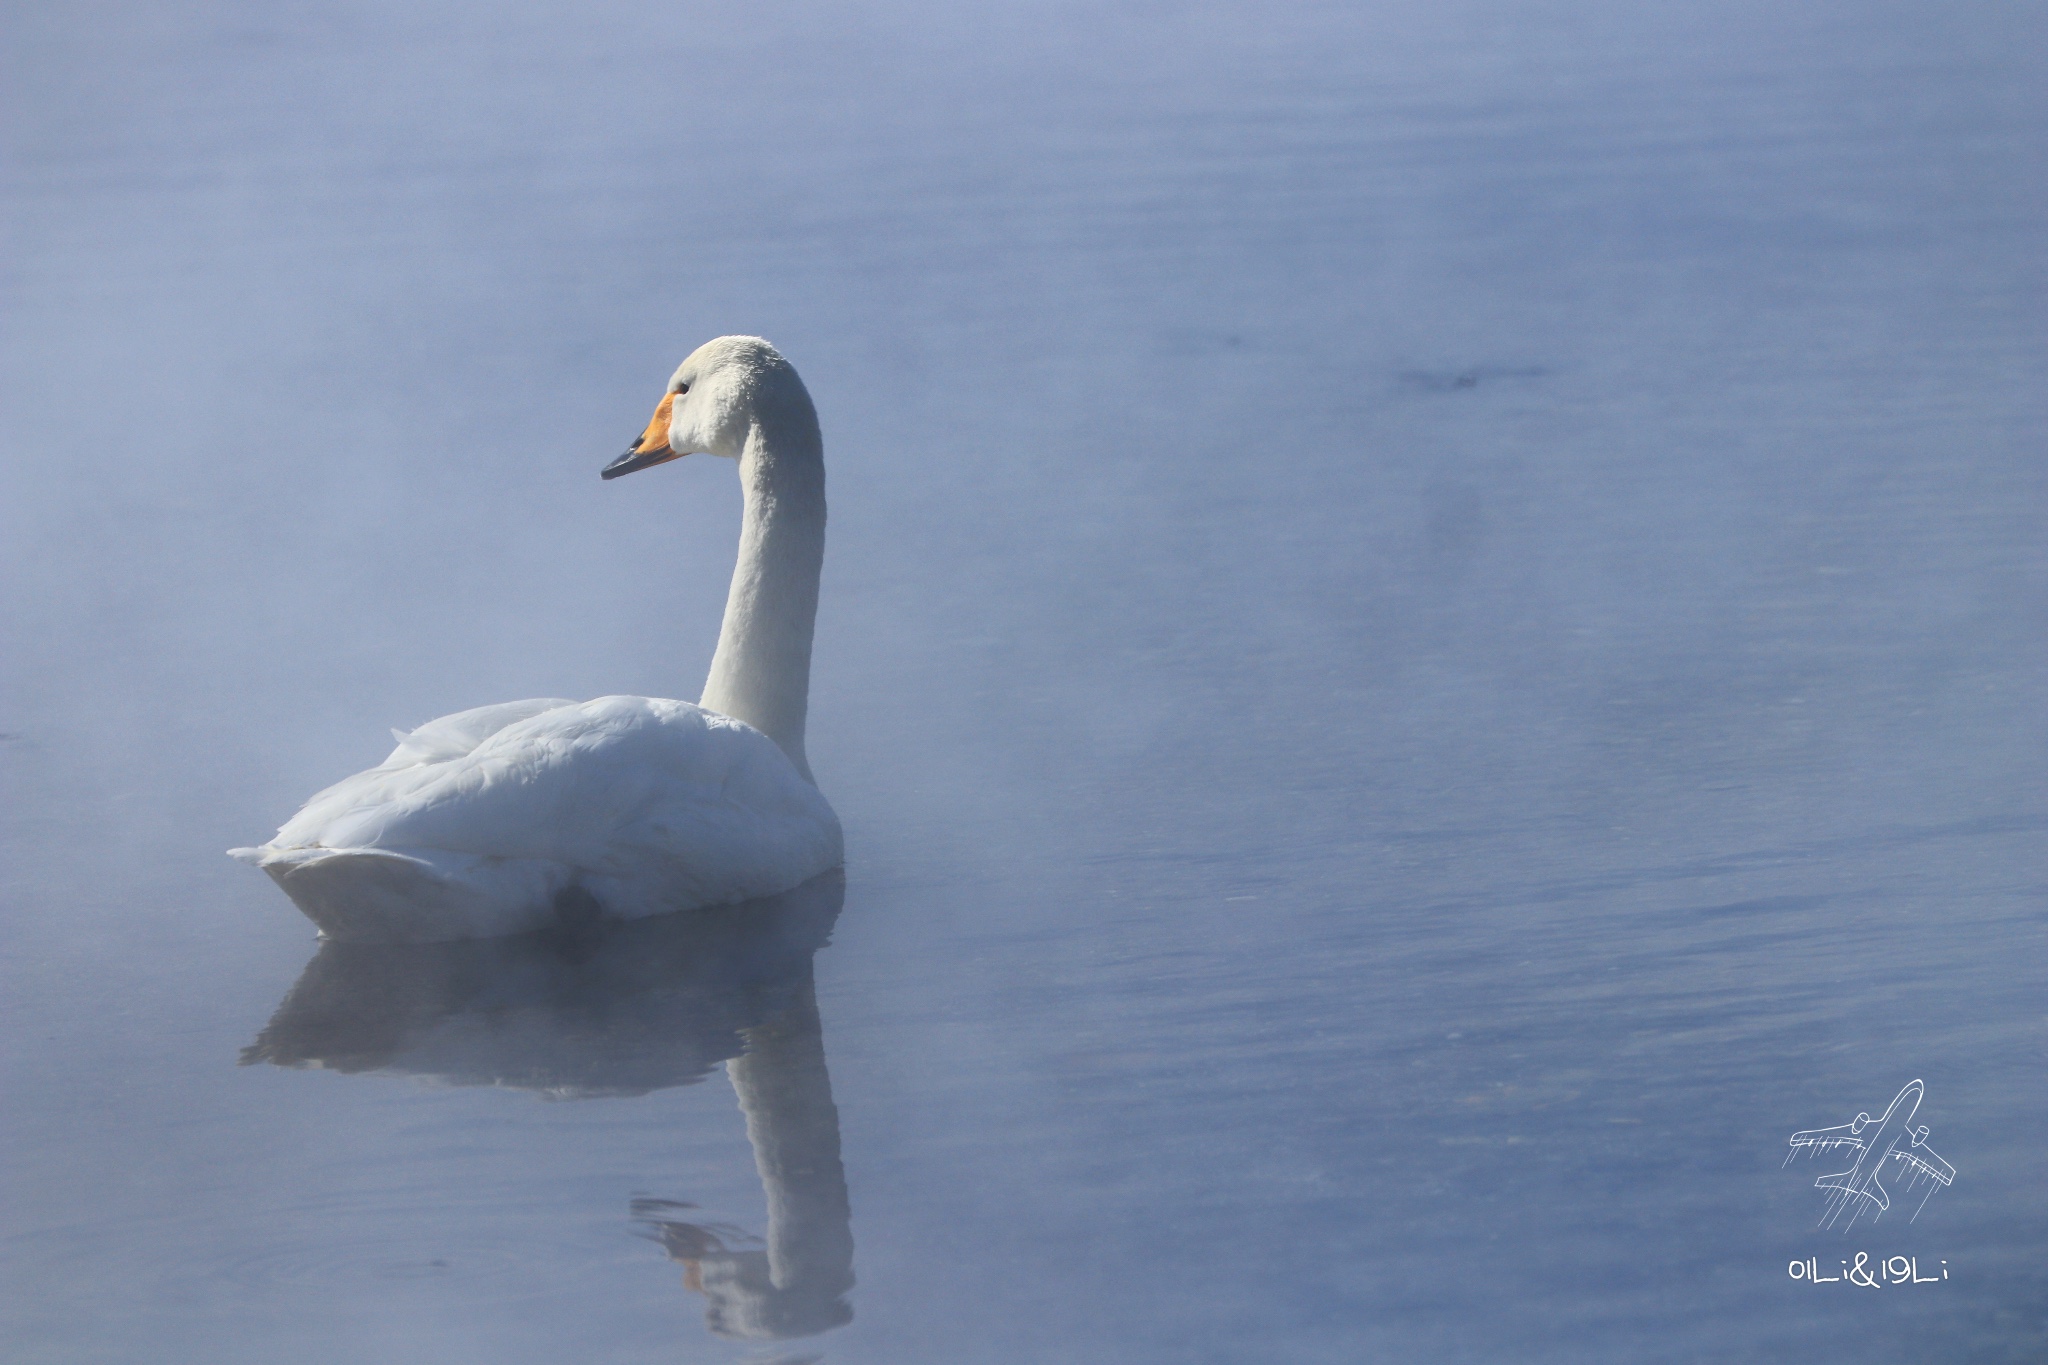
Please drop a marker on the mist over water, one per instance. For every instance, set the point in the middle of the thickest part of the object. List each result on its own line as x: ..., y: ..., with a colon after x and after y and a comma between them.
x: 1432, y: 639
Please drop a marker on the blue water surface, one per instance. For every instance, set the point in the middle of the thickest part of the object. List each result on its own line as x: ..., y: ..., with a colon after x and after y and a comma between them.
x: 1433, y: 639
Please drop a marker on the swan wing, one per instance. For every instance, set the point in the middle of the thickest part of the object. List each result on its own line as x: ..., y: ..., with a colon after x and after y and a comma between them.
x: 436, y: 742
x: 459, y: 734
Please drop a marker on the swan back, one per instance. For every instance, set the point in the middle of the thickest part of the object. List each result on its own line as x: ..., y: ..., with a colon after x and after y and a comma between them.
x: 649, y: 805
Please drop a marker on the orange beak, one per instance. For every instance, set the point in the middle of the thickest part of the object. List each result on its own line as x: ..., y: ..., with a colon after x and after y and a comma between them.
x: 651, y: 449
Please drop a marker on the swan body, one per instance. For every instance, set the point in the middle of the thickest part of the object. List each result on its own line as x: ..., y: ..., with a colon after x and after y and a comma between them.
x: 491, y: 821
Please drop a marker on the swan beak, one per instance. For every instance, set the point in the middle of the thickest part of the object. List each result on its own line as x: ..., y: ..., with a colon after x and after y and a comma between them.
x: 651, y: 449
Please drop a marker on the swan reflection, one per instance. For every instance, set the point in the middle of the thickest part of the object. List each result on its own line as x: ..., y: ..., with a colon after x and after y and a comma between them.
x: 590, y: 1009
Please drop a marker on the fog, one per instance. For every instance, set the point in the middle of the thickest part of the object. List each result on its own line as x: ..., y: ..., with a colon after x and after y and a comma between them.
x: 1432, y: 640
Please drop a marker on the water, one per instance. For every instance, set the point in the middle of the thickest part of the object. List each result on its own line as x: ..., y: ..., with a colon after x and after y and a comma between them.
x: 1432, y: 640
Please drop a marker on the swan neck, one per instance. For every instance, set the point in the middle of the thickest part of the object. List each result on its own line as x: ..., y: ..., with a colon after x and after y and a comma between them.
x: 761, y: 673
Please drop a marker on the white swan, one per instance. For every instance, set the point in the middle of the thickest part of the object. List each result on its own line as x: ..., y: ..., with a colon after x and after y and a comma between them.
x: 484, y: 822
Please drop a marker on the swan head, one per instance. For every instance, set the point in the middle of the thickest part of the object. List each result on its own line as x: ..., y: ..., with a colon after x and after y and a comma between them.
x: 715, y: 399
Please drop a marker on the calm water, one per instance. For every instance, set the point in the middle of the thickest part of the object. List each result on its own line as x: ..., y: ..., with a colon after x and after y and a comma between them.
x: 1433, y: 639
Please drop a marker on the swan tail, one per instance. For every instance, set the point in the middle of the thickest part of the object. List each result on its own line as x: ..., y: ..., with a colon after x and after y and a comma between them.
x: 385, y: 895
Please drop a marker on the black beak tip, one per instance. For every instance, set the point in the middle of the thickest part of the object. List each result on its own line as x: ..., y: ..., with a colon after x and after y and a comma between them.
x: 625, y: 464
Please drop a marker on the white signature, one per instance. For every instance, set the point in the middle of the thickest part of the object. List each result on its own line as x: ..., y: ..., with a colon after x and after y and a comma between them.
x: 1866, y: 1273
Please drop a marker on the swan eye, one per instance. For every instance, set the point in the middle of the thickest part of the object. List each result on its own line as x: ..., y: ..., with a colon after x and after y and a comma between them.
x: 682, y: 389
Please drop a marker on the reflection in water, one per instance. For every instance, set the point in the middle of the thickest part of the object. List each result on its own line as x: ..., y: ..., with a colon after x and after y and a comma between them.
x: 621, y: 1009
x: 795, y: 1287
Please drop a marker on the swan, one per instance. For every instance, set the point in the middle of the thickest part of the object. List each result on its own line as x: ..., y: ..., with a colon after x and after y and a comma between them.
x: 505, y: 819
